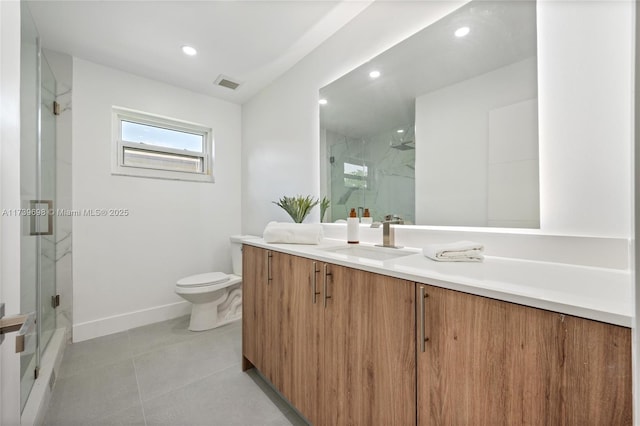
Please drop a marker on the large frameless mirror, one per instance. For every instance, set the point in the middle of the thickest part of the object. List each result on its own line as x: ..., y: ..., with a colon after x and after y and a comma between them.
x: 441, y: 129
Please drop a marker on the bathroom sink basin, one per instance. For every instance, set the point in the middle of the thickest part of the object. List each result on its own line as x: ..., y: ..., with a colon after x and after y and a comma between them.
x: 368, y: 252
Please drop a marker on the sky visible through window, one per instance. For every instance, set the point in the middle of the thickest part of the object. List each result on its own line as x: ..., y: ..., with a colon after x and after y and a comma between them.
x: 151, y: 135
x: 355, y: 175
x: 355, y: 169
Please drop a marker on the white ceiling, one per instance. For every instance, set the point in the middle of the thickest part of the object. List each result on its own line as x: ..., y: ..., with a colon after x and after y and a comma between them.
x: 252, y: 42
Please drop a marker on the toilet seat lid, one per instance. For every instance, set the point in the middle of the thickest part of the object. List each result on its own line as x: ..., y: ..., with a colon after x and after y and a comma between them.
x: 200, y: 280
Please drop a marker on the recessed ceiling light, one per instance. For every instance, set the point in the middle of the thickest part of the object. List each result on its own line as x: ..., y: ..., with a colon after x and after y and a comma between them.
x: 374, y: 74
x: 400, y: 130
x: 189, y: 51
x: 322, y: 101
x: 462, y: 31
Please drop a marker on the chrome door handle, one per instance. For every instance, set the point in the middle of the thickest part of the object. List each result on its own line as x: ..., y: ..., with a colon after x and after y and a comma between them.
x: 314, y: 283
x: 422, y: 325
x: 326, y: 274
x: 269, y: 256
x: 40, y: 206
x: 22, y: 323
x: 26, y: 328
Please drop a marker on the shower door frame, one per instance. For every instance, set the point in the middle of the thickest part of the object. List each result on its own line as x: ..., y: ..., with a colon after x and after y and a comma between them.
x: 33, y: 160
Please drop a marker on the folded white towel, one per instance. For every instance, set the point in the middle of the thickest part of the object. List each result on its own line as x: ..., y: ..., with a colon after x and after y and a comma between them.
x: 460, y: 251
x: 293, y: 233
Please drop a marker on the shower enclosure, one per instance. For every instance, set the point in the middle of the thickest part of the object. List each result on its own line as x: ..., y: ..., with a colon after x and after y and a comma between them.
x: 374, y: 171
x: 37, y: 189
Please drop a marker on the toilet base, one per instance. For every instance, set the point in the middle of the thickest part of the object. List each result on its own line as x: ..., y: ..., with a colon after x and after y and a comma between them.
x: 202, y: 321
x: 225, y: 309
x: 200, y: 325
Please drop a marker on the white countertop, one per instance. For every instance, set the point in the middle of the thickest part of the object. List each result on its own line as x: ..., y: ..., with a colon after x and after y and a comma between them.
x: 595, y: 293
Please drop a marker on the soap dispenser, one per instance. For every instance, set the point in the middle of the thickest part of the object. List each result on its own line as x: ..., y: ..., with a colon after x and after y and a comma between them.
x: 353, y: 226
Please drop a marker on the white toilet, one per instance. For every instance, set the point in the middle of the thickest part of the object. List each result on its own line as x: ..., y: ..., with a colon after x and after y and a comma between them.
x: 216, y: 296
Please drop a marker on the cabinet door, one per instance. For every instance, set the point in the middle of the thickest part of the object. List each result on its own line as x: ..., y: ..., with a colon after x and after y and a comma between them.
x: 254, y: 286
x: 302, y: 335
x: 261, y: 300
x: 488, y: 362
x: 369, y: 355
x: 596, y: 380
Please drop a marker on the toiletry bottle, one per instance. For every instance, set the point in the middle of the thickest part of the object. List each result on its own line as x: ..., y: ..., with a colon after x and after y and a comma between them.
x: 353, y: 226
x: 366, y: 218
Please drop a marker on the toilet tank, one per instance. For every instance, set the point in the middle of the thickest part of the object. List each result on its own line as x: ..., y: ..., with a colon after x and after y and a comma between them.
x: 236, y: 251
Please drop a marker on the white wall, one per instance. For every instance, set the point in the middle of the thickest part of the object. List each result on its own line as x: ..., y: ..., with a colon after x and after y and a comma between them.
x: 453, y: 147
x: 125, y: 268
x: 585, y: 113
x: 513, y: 178
x: 584, y: 58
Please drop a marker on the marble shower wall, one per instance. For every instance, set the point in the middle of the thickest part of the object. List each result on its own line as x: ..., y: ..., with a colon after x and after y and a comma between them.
x: 63, y: 223
x: 61, y: 65
x: 389, y: 184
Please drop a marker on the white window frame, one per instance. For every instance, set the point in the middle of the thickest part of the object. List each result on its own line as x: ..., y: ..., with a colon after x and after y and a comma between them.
x: 367, y: 179
x: 117, y: 158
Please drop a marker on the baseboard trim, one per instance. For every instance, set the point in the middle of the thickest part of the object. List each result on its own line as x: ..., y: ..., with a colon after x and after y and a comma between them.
x: 117, y: 323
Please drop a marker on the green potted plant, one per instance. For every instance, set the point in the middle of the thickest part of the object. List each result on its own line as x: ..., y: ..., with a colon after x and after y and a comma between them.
x: 298, y: 207
x: 324, y: 206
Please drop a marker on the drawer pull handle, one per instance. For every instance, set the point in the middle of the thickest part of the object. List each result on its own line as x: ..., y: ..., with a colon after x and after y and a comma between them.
x: 423, y: 339
x: 326, y: 275
x: 314, y: 283
x: 269, y: 256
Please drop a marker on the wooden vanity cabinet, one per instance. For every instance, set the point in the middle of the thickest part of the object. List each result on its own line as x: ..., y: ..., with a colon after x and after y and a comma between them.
x: 488, y: 362
x: 253, y: 288
x: 369, y: 358
x: 348, y: 354
x: 301, y: 345
x: 345, y: 356
x: 281, y: 328
x: 345, y: 347
x: 261, y: 293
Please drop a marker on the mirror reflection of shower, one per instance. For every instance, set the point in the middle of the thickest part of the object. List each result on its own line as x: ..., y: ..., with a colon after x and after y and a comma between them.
x: 405, y: 139
x: 375, y: 172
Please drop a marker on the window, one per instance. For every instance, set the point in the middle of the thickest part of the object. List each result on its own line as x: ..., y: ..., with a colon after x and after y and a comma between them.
x: 158, y: 147
x: 356, y: 175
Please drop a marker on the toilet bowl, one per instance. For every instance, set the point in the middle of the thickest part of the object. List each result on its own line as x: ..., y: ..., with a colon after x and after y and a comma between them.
x: 216, y: 297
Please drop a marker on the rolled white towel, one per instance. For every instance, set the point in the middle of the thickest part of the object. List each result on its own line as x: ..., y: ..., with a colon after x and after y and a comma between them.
x: 460, y: 251
x: 293, y: 233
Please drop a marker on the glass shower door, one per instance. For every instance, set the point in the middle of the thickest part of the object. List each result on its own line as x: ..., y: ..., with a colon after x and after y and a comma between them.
x: 29, y: 245
x: 37, y: 192
x: 46, y: 224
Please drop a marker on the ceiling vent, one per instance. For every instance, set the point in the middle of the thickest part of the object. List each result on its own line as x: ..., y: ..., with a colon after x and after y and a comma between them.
x: 227, y: 82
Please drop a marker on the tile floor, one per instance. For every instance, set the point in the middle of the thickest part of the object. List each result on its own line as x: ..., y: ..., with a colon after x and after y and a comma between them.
x: 163, y: 374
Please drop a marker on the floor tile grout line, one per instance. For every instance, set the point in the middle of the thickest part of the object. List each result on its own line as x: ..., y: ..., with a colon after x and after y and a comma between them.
x: 162, y: 346
x: 91, y: 369
x: 92, y: 419
x: 191, y: 382
x: 284, y: 408
x: 135, y: 372
x: 178, y: 342
x: 223, y: 336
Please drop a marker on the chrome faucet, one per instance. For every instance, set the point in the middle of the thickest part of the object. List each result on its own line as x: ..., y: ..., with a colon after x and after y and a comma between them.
x: 388, y: 234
